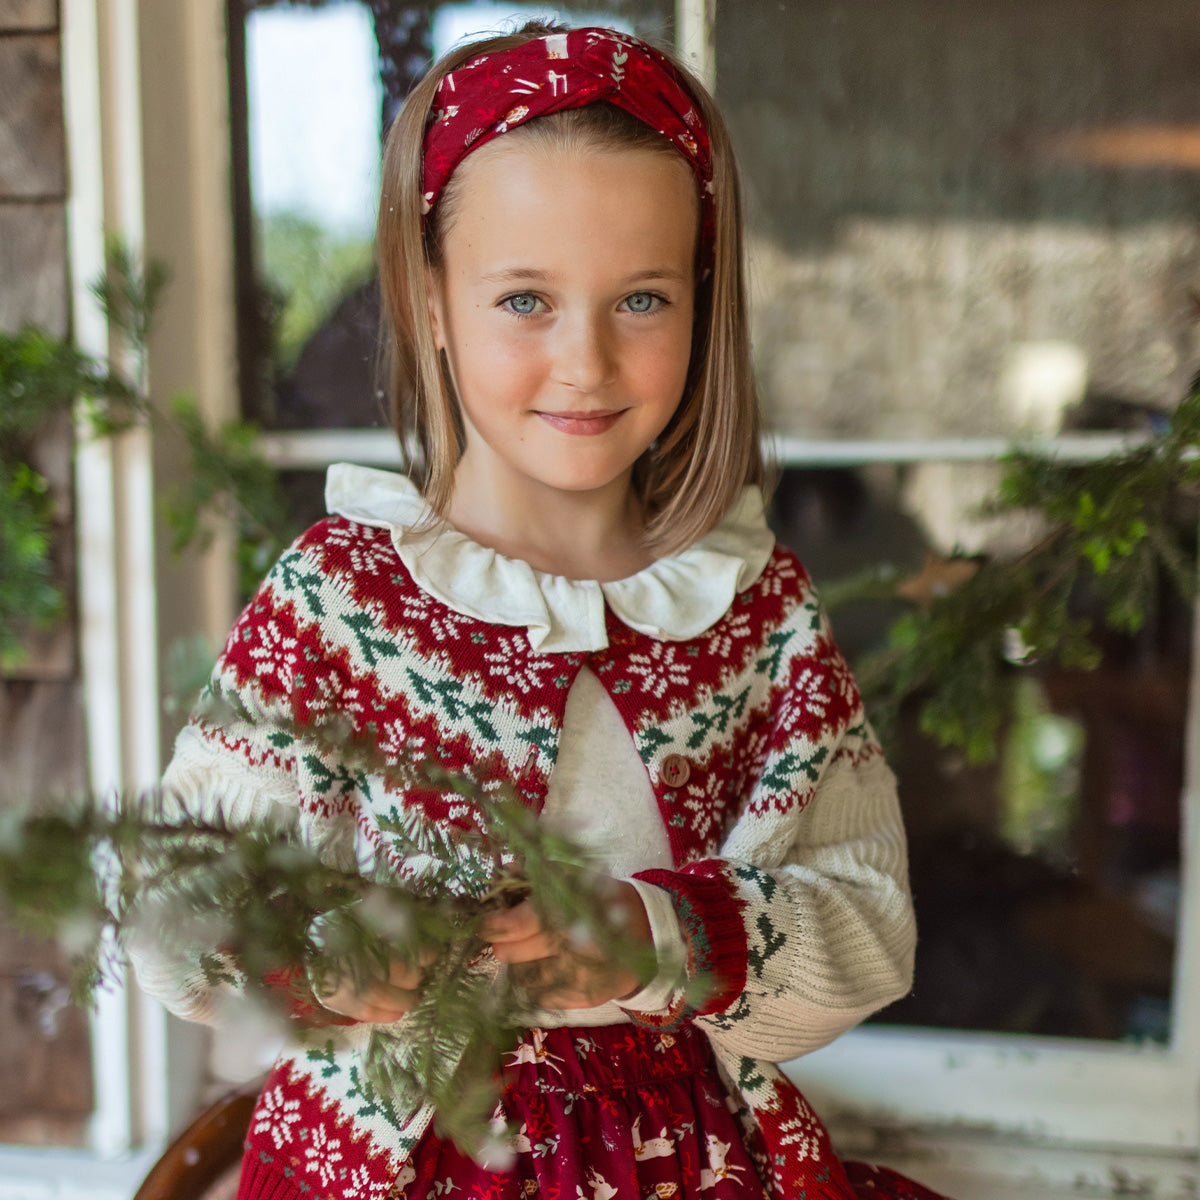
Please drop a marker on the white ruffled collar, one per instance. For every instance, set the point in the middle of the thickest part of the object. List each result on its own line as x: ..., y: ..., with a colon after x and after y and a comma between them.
x: 675, y: 598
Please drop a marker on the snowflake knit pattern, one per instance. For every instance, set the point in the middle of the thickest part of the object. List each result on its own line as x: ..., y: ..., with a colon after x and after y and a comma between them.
x: 789, y: 875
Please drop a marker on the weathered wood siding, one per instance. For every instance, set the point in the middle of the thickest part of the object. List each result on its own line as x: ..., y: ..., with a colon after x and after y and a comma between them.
x: 44, y: 1056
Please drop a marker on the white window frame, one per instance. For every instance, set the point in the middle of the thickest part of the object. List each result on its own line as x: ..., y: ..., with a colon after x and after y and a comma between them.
x: 1039, y: 1115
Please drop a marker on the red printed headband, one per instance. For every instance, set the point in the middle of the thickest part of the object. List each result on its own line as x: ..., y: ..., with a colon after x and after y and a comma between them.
x: 493, y: 93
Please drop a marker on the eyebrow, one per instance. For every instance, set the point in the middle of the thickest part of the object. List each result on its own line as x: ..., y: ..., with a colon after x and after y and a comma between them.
x: 533, y: 275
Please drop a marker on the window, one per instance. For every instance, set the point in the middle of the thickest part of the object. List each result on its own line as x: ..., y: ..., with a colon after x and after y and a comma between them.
x: 315, y: 87
x: 972, y: 224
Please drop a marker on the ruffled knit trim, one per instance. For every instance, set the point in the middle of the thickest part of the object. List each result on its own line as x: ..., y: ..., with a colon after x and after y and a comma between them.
x: 673, y: 599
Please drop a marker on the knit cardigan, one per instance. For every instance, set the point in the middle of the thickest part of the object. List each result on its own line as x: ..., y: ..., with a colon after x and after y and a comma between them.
x: 789, y: 879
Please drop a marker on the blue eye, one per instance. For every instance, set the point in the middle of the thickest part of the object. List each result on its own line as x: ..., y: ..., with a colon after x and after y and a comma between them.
x: 524, y: 304
x: 643, y: 302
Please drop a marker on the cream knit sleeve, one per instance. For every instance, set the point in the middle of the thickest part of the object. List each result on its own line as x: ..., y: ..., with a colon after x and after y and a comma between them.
x: 830, y: 932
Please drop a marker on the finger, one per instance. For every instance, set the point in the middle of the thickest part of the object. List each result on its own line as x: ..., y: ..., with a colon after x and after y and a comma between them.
x: 512, y: 924
x: 562, y: 990
x: 528, y: 950
x: 568, y: 999
x: 376, y: 1014
x: 380, y: 1004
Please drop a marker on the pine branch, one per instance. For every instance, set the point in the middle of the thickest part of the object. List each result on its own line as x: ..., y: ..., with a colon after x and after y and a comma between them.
x: 42, y: 376
x: 251, y: 902
x: 1113, y: 530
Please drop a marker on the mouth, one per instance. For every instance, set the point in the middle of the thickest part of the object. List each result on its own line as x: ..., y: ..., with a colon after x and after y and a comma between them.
x: 582, y: 423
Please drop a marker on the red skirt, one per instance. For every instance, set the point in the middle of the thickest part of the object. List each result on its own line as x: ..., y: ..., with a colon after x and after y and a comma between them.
x: 619, y: 1113
x: 605, y: 1114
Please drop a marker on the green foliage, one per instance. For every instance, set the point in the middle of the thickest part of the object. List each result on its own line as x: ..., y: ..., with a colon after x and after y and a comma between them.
x: 39, y: 377
x: 1040, y: 769
x: 43, y: 378
x: 27, y: 587
x: 129, y: 297
x: 227, y: 479
x: 1111, y: 530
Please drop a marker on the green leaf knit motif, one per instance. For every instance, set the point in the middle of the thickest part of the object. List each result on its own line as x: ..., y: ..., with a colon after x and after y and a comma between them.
x: 772, y: 943
x: 706, y: 722
x: 763, y: 880
x: 782, y: 773
x: 307, y: 583
x: 373, y: 648
x: 650, y: 740
x: 769, y: 664
x: 447, y: 696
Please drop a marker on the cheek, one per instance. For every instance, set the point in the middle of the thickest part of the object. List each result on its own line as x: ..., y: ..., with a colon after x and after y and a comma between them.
x: 496, y: 370
x: 667, y: 363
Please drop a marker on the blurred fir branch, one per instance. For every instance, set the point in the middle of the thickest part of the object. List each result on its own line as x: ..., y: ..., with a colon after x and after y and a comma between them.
x: 227, y: 479
x: 256, y: 905
x: 40, y: 376
x: 1111, y: 530
x: 43, y: 378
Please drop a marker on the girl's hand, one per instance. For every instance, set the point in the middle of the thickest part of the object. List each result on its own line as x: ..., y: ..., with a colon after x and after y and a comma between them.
x: 556, y: 970
x: 382, y: 1002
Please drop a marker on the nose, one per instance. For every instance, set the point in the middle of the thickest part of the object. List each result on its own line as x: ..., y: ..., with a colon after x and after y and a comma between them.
x: 585, y: 356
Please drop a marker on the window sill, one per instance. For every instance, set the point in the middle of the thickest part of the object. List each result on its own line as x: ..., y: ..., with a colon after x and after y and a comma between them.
x: 27, y: 1174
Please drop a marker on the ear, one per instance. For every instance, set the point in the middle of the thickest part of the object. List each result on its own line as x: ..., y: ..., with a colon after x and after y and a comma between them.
x: 435, y: 295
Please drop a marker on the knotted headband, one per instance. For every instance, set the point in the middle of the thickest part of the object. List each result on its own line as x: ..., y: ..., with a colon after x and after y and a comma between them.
x: 496, y: 92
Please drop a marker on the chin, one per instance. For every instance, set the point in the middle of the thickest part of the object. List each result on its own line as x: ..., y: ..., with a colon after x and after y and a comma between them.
x: 582, y: 482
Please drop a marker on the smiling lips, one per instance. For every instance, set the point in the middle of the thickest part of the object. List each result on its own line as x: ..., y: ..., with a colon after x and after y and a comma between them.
x: 583, y: 423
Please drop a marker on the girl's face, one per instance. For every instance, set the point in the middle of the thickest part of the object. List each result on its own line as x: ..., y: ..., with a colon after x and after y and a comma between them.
x: 564, y: 304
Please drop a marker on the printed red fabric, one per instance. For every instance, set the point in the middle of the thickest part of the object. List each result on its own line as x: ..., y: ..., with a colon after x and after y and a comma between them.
x: 606, y: 1114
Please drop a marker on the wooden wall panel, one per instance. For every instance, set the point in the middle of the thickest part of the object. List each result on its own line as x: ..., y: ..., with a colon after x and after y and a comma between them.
x: 27, y: 15
x: 45, y: 1060
x: 31, y: 128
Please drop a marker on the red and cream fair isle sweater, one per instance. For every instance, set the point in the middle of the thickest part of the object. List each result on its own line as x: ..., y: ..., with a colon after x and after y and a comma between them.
x: 789, y: 874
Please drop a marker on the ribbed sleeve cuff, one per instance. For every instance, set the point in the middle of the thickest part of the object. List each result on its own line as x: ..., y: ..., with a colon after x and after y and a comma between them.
x: 710, y: 915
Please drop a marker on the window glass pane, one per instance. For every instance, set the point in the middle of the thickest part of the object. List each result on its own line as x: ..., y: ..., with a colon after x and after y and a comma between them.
x: 968, y: 219
x: 1046, y: 882
x: 312, y: 86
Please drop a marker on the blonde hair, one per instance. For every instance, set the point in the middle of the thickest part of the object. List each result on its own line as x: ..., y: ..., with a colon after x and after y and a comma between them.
x: 709, y: 450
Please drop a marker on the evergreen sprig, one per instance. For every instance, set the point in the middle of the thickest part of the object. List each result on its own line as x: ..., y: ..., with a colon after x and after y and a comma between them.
x: 254, y: 903
x: 1111, y: 531
x: 43, y: 377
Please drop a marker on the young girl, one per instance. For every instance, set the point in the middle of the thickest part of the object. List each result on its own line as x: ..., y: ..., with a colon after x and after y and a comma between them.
x: 578, y: 590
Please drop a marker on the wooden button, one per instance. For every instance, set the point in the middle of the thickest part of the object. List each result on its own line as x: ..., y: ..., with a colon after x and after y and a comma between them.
x: 676, y: 770
x: 529, y: 764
